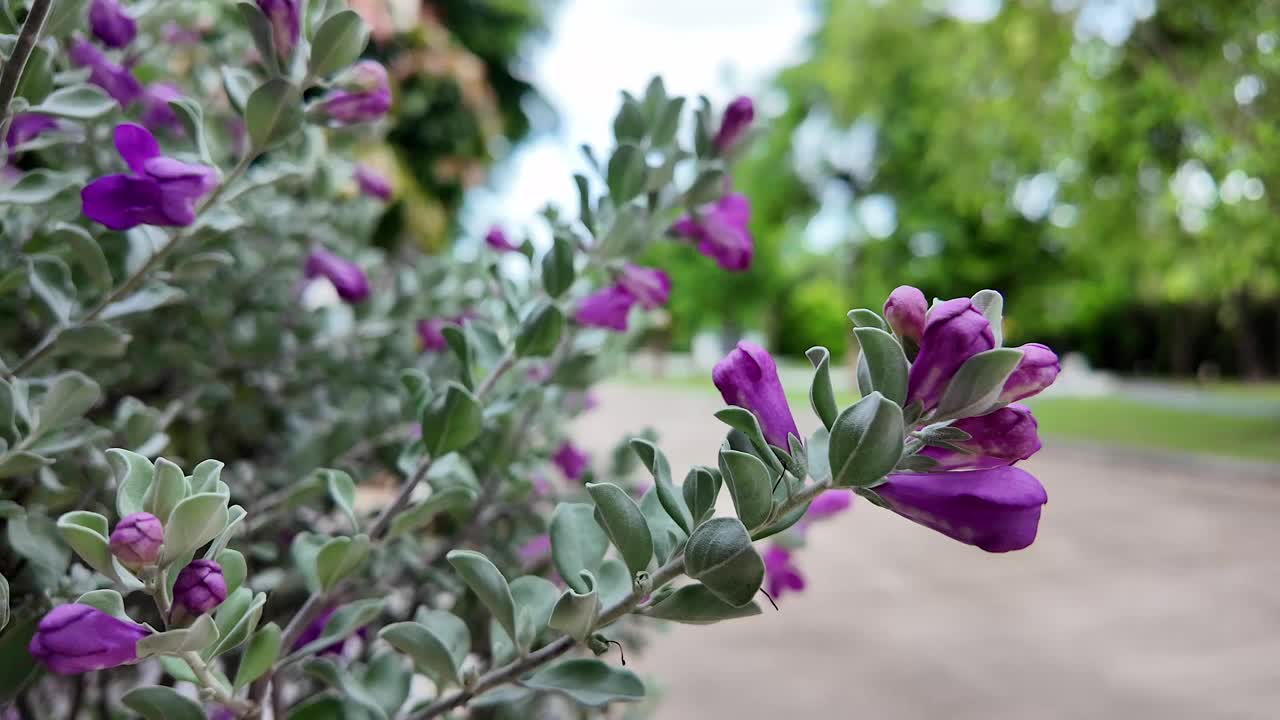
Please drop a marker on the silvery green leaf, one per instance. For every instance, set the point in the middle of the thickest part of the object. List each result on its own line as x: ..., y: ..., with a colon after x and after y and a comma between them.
x: 540, y: 331
x: 668, y: 122
x: 162, y: 703
x: 672, y: 500
x: 575, y: 613
x: 21, y: 462
x: 538, y: 596
x: 37, y: 187
x: 167, y: 490
x: 273, y: 112
x: 703, y: 130
x: 259, y: 27
x: 629, y: 124
x: 205, y: 476
x: 202, y: 633
x: 352, y: 692
x: 134, y: 474
x: 976, y: 386
x: 626, y: 175
x: 259, y: 656
x: 489, y: 585
x: 420, y: 515
x: 943, y: 433
x: 108, y: 601
x: 451, y: 421
x: 77, y: 102
x: 191, y: 115
x: 50, y: 281
x: 236, y: 621
x: 886, y: 363
x: 342, y: 490
x: 991, y: 304
x: 193, y: 522
x: 866, y: 442
x: 667, y: 536
x: 84, y: 251
x: 624, y: 523
x: 86, y: 533
x: 558, y: 272
x: 68, y: 398
x: 65, y: 17
x: 338, y: 43
x: 35, y: 537
x: 95, y: 339
x: 201, y: 266
x: 750, y: 485
x: 745, y: 422
x: 4, y: 602
x: 694, y: 604
x: 437, y: 643
x: 864, y: 318
x: 917, y: 463
x: 150, y: 297
x: 234, y: 568
x: 345, y: 621
x: 821, y: 396
x: 706, y: 189
x: 577, y: 543
x: 719, y: 554
x: 339, y: 558
x: 588, y: 682
x: 457, y: 340
x: 585, y: 213
x: 819, y: 464
x: 700, y: 489
x: 235, y: 516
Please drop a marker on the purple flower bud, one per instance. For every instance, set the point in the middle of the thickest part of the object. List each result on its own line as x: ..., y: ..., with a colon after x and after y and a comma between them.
x: 77, y: 638
x: 161, y: 190
x: 315, y: 629
x: 347, y: 277
x: 111, y: 24
x: 607, y: 308
x: 905, y: 310
x: 113, y: 77
x: 373, y: 183
x: 497, y: 239
x: 1037, y: 370
x: 649, y: 286
x: 571, y: 461
x: 365, y: 95
x: 26, y: 127
x: 286, y: 26
x: 721, y: 231
x: 748, y: 377
x: 736, y: 123
x: 780, y: 573
x: 955, y: 331
x: 136, y: 539
x: 200, y: 587
x: 997, y: 510
x: 998, y: 438
x: 829, y: 504
x: 431, y: 333
x: 535, y: 551
x: 156, y: 113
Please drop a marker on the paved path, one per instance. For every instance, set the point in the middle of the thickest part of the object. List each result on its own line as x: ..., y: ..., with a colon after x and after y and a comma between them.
x: 1153, y: 592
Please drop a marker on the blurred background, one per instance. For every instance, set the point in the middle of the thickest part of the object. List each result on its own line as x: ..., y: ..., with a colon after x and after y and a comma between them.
x: 1111, y: 166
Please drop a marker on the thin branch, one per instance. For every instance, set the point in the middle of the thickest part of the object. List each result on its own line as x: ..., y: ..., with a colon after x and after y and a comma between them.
x: 17, y: 62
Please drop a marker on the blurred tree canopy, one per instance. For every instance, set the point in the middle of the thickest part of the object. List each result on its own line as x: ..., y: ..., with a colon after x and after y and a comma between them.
x: 1112, y: 167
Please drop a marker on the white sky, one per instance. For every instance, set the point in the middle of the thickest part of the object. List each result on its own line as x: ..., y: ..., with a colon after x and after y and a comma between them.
x: 597, y: 48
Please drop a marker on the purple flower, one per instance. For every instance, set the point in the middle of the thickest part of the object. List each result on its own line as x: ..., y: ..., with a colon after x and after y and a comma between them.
x: 200, y: 587
x: 497, y: 239
x: 829, y: 504
x: 1002, y: 437
x: 26, y: 127
x: 1036, y: 371
x: 431, y: 332
x: 721, y: 231
x: 156, y: 113
x: 536, y: 550
x: 736, y: 123
x: 610, y: 307
x: 111, y: 24
x: 541, y: 485
x: 781, y: 575
x: 136, y: 539
x: 315, y: 629
x: 997, y: 509
x: 365, y: 95
x: 78, y: 638
x: 748, y: 377
x: 954, y: 332
x: 113, y: 77
x: 285, y: 26
x: 347, y: 277
x: 160, y: 191
x: 905, y: 310
x: 373, y: 183
x: 571, y: 461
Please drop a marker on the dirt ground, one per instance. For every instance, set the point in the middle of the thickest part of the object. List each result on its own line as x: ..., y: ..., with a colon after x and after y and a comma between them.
x: 1153, y: 592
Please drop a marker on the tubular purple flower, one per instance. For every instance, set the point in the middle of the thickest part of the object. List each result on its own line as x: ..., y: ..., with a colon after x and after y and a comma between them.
x: 997, y: 510
x: 606, y: 308
x: 161, y: 190
x: 136, y: 540
x: 829, y: 504
x: 1037, y: 370
x: 200, y: 587
x: 111, y: 24
x: 113, y: 77
x: 431, y: 334
x: 373, y: 183
x: 77, y: 638
x: 649, y: 286
x: 905, y: 311
x: 347, y: 277
x: 736, y: 122
x: 748, y: 377
x: 780, y: 573
x: 497, y: 239
x: 313, y: 631
x: 1002, y: 437
x: 954, y: 332
x: 156, y: 113
x: 571, y: 461
x: 286, y: 26
x: 365, y: 95
x: 26, y: 127
x: 721, y: 231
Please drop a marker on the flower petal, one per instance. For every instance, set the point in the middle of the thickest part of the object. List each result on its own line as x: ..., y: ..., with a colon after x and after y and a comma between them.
x: 136, y: 145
